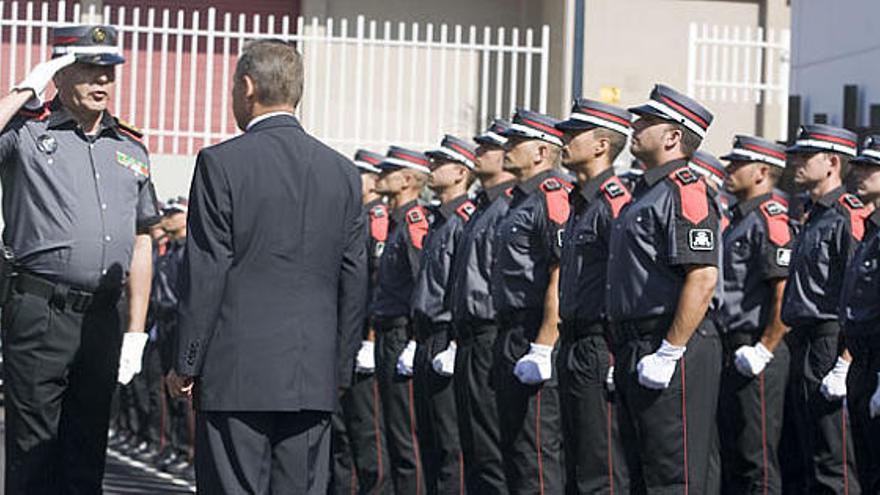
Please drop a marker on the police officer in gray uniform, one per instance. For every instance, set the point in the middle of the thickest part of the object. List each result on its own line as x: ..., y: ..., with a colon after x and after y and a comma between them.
x: 474, y: 318
x: 757, y: 252
x: 819, y: 448
x: 662, y: 274
x: 77, y: 204
x: 860, y: 315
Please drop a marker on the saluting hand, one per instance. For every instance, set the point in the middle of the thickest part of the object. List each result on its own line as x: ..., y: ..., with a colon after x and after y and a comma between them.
x: 179, y: 385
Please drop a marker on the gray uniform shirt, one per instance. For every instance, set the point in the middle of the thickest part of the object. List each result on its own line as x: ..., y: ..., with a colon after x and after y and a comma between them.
x: 72, y: 204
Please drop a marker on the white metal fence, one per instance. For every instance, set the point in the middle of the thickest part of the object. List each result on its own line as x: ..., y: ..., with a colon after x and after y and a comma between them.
x: 740, y: 64
x: 367, y: 83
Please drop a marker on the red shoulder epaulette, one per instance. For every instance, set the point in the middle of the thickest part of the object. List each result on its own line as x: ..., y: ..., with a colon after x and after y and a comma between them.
x: 40, y: 114
x: 616, y: 194
x: 725, y: 222
x: 776, y: 215
x: 466, y: 210
x: 379, y: 223
x: 694, y: 201
x: 508, y: 192
x: 556, y: 193
x: 130, y: 130
x: 858, y: 212
x: 417, y: 223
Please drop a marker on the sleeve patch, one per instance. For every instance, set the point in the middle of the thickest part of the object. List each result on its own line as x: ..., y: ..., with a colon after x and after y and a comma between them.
x: 417, y: 223
x: 617, y: 195
x: 557, y: 200
x: 783, y: 256
x: 694, y: 199
x: 701, y: 239
x: 776, y: 217
x: 379, y: 223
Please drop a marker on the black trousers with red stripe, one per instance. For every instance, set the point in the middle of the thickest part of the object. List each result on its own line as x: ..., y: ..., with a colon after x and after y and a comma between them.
x: 817, y: 452
x: 861, y: 385
x: 594, y: 455
x: 476, y: 402
x: 398, y: 406
x: 673, y: 431
x: 750, y: 420
x: 360, y: 461
x: 530, y: 415
x: 436, y: 416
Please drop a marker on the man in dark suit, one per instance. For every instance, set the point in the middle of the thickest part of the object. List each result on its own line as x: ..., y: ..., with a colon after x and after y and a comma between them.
x: 273, y: 289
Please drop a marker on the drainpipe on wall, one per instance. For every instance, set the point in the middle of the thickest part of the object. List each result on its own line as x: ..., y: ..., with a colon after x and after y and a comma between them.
x: 577, y: 72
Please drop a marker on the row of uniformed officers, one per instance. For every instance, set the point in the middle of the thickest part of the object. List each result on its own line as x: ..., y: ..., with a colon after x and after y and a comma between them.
x: 672, y: 329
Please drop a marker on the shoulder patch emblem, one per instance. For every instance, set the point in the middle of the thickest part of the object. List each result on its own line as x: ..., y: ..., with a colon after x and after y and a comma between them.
x: 132, y: 164
x: 417, y: 225
x: 556, y: 196
x: 616, y: 194
x: 414, y: 216
x: 858, y: 213
x: 783, y: 256
x: 693, y: 194
x: 776, y: 216
x: 773, y: 208
x: 686, y: 176
x: 378, y: 211
x: 701, y: 239
x: 466, y: 210
x: 853, y: 201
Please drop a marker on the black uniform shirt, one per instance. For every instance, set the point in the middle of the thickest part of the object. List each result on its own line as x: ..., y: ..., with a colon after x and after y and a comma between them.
x: 672, y: 222
x: 472, y: 266
x: 430, y: 299
x: 72, y: 204
x: 860, y: 300
x: 585, y: 246
x: 757, y: 253
x: 821, y: 254
x: 400, y: 261
x: 528, y: 241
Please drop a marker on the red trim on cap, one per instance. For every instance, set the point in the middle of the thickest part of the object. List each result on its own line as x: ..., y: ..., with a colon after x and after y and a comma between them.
x: 681, y: 109
x: 65, y: 40
x: 370, y: 159
x: 833, y: 139
x: 463, y: 151
x: 408, y: 157
x: 711, y: 168
x: 606, y: 116
x: 766, y: 151
x: 552, y: 130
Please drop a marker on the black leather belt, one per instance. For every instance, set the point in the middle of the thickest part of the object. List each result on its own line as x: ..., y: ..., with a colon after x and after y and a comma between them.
x: 389, y: 322
x: 578, y: 329
x: 61, y: 295
x: 513, y: 317
x: 469, y: 329
x: 642, y: 327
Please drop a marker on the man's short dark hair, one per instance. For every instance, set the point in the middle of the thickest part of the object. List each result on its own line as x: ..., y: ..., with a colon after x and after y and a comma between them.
x: 276, y: 69
x: 616, y: 140
x: 690, y: 141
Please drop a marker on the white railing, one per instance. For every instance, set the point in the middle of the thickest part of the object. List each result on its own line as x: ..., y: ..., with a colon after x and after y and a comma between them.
x: 375, y: 84
x: 740, y: 64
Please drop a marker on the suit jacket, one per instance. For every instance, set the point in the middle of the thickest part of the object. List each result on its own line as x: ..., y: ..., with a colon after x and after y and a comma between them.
x: 274, y: 279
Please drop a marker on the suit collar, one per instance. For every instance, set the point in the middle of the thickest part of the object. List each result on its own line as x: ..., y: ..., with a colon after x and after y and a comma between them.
x: 272, y: 119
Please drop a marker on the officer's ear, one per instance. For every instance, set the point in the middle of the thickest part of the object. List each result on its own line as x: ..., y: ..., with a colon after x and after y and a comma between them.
x: 249, y: 87
x: 672, y: 136
x: 834, y: 164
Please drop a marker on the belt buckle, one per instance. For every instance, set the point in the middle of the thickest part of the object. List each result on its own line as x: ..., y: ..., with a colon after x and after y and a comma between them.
x: 80, y: 301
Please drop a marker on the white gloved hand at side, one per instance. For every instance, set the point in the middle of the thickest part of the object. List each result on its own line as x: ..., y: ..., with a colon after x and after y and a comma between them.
x: 751, y: 360
x: 444, y: 362
x: 656, y: 370
x: 39, y: 77
x: 131, y: 355
x: 405, y: 360
x: 834, y: 384
x: 365, y: 361
x: 536, y: 366
x: 609, y: 380
x: 874, y: 406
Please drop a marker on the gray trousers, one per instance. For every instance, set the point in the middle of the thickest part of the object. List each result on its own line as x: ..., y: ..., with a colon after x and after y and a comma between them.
x: 262, y: 453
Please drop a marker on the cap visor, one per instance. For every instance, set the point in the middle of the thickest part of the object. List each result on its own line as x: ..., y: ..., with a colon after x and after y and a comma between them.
x: 865, y: 160
x: 575, y: 125
x: 487, y: 140
x: 733, y: 157
x: 643, y: 110
x: 798, y: 149
x: 101, y: 59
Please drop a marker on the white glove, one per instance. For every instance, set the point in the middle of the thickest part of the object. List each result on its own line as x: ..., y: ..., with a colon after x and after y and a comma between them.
x: 405, y: 360
x: 874, y: 406
x: 365, y: 362
x: 656, y: 370
x: 444, y: 362
x: 834, y: 384
x: 131, y: 355
x: 751, y: 360
x: 40, y: 76
x: 609, y: 380
x: 536, y: 366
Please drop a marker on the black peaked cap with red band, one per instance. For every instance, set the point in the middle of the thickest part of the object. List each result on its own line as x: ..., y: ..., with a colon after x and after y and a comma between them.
x: 668, y: 104
x: 870, y: 152
x: 455, y: 150
x: 534, y: 125
x: 95, y: 45
x: 589, y: 114
x: 368, y: 161
x: 755, y: 149
x: 494, y: 134
x: 708, y: 166
x: 399, y: 157
x: 816, y: 138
